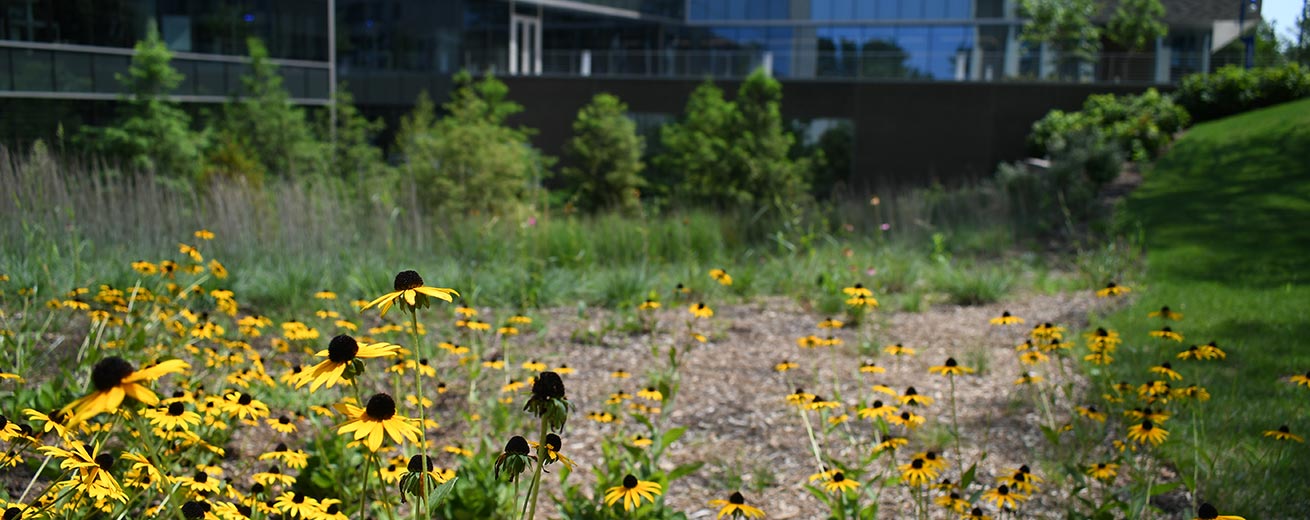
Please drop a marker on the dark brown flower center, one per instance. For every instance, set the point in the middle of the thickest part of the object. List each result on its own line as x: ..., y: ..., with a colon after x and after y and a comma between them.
x: 245, y: 400
x: 1207, y: 512
x: 406, y: 280
x: 1003, y: 490
x: 736, y: 498
x: 105, y: 461
x: 917, y: 464
x: 416, y: 464
x: 555, y: 443
x: 950, y: 362
x: 342, y: 349
x: 517, y: 445
x: 630, y: 482
x: 838, y: 477
x: 176, y: 409
x: 548, y: 386
x: 109, y: 372
x: 380, y: 407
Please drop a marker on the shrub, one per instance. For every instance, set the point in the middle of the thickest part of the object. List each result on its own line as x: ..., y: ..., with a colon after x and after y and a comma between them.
x: 1141, y: 125
x: 606, y: 153
x: 1232, y: 90
x: 1061, y: 198
x: 470, y: 161
x: 276, y: 130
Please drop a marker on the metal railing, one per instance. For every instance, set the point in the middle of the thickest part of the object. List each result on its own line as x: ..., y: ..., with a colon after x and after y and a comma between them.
x: 1167, y: 67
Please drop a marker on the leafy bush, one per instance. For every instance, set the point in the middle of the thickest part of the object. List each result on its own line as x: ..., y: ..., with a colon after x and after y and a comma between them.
x: 470, y: 161
x: 1232, y: 90
x: 1141, y: 125
x: 1061, y: 198
x: 606, y: 152
x: 275, y: 130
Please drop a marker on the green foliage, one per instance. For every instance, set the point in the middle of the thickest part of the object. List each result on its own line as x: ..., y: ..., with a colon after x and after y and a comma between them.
x: 606, y: 151
x: 1232, y: 90
x: 470, y: 161
x: 354, y: 156
x: 275, y: 131
x: 1136, y: 23
x: 1061, y: 199
x: 1066, y: 25
x: 152, y: 133
x: 1141, y: 125
x: 735, y: 154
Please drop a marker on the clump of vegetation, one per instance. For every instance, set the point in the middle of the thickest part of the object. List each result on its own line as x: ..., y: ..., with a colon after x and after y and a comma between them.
x: 1140, y: 125
x: 606, y: 152
x: 1232, y: 90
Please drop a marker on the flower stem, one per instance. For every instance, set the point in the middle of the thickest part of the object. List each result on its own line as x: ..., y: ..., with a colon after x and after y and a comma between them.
x: 955, y: 432
x: 814, y: 444
x: 420, y: 506
x: 536, y: 476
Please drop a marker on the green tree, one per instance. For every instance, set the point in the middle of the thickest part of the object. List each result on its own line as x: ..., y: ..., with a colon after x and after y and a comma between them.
x: 470, y: 161
x: 355, y: 157
x: 275, y: 129
x: 696, y: 150
x: 1134, y: 25
x: 152, y: 132
x: 1065, y: 25
x: 606, y: 153
x: 762, y: 145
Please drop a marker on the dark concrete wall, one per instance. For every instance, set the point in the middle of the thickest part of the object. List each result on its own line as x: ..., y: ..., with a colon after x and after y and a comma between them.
x: 906, y: 133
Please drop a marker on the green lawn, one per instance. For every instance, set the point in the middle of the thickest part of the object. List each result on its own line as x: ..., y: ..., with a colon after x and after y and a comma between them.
x: 1226, y: 222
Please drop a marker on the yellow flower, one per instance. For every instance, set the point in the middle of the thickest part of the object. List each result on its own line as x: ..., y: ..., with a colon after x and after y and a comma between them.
x: 651, y: 393
x: 857, y: 290
x: 917, y: 473
x: 1028, y: 379
x: 784, y: 365
x: 1166, y: 333
x: 1113, y: 289
x: 1301, y: 380
x: 953, y: 502
x: 410, y: 291
x: 648, y: 305
x: 217, y: 268
x: 1091, y: 412
x: 1002, y: 497
x: 174, y: 417
x: 1283, y: 433
x: 1006, y: 319
x: 92, y: 470
x: 867, y: 302
x: 204, y: 234
x: 341, y: 363
x: 838, y: 483
x: 377, y: 418
x: 1104, y: 471
x: 869, y: 367
x: 890, y: 443
x: 1146, y: 432
x: 877, y: 410
x: 534, y: 366
x: 1165, y: 313
x: 1164, y: 369
x: 115, y: 379
x: 950, y: 368
x: 632, y: 492
x: 830, y: 324
x: 912, y: 397
x: 735, y: 506
x: 296, y: 505
x: 721, y: 276
x: 700, y: 310
x: 898, y: 350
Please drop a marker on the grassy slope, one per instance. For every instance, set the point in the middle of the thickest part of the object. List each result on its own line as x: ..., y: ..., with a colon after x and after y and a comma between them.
x: 1226, y: 216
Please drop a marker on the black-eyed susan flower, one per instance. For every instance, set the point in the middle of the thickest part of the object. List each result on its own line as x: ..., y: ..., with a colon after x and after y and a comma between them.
x: 911, y: 397
x: 830, y: 324
x: 514, y: 459
x: 114, y: 379
x: 1028, y: 378
x: 377, y: 419
x: 421, y: 476
x: 1208, y: 512
x: 917, y: 473
x: 809, y: 341
x: 784, y: 365
x: 295, y: 459
x: 1033, y: 357
x: 553, y: 446
x: 632, y: 492
x: 1021, y: 480
x: 410, y: 291
x: 1006, y: 319
x: 952, y: 502
x: 1166, y: 370
x: 950, y: 368
x: 869, y: 367
x: 601, y: 417
x: 877, y: 410
x: 1165, y: 313
x: 296, y: 505
x: 1103, y: 471
x: 174, y: 417
x: 898, y: 350
x: 1113, y: 289
x: 890, y: 443
x: 1146, y: 432
x: 281, y: 424
x: 857, y: 290
x: 700, y: 310
x: 735, y: 507
x: 1166, y: 333
x: 819, y: 403
x: 92, y: 470
x: 682, y: 289
x: 838, y: 483
x: 648, y: 305
x: 800, y: 398
x: 977, y: 514
x: 721, y: 276
x: 1091, y: 412
x: 907, y: 419
x: 1283, y: 433
x: 548, y: 401
x: 1003, y: 497
x: 533, y: 365
x: 1301, y: 380
x: 650, y: 393
x: 243, y: 406
x: 862, y: 302
x: 620, y: 374
x: 343, y: 361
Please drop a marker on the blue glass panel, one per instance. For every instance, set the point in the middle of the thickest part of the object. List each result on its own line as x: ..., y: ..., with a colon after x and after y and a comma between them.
x: 718, y: 10
x: 700, y: 9
x: 911, y: 9
x: 866, y: 10
x: 821, y: 9
x: 779, y: 10
x: 781, y: 45
x: 888, y: 9
x: 934, y: 9
x: 915, y: 42
x: 947, y: 45
x: 959, y: 9
x: 737, y: 9
x: 843, y: 9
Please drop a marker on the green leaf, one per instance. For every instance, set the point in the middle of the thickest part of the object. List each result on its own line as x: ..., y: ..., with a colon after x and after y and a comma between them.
x: 1160, y: 489
x: 672, y: 435
x: 684, y: 470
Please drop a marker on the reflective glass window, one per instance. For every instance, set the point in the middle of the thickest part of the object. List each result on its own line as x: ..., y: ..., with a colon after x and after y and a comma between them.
x: 888, y: 9
x: 6, y: 83
x: 911, y: 9
x: 699, y: 9
x: 33, y: 70
x: 959, y: 9
x: 950, y: 51
x: 915, y: 42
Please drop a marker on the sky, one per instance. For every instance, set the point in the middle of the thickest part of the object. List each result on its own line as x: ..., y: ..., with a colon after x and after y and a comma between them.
x: 1284, y: 13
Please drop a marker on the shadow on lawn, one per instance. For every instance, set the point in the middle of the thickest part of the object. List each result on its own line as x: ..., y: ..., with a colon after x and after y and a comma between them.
x: 1253, y: 233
